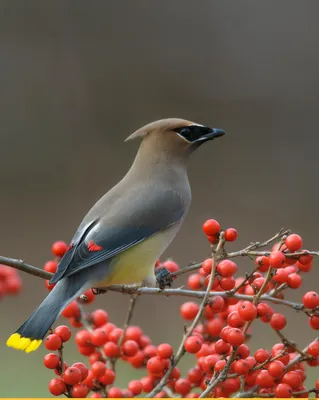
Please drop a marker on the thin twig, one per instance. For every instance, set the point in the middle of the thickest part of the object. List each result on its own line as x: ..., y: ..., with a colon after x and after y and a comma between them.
x: 181, y: 350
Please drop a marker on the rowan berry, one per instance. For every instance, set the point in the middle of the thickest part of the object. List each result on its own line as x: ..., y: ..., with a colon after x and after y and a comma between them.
x: 231, y: 235
x: 57, y: 387
x: 52, y: 360
x: 53, y: 342
x: 135, y: 387
x: 72, y: 376
x: 80, y: 390
x: 182, y: 386
x: 247, y: 311
x: 293, y: 242
x: 193, y: 344
x: 211, y: 227
x: 226, y: 268
x: 278, y: 321
x: 310, y: 300
x: 277, y: 259
x: 235, y: 337
x: 276, y: 369
x: 283, y: 390
x: 59, y: 248
x: 164, y: 350
x: 64, y: 332
x: 189, y: 310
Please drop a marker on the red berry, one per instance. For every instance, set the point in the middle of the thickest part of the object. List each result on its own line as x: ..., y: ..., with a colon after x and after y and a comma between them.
x: 211, y: 227
x: 310, y: 300
x: 294, y: 280
x: 194, y: 282
x: 207, y: 265
x: 52, y: 360
x: 64, y: 332
x: 262, y: 309
x: 165, y: 350
x: 213, y: 239
x: 71, y: 310
x: 189, y: 310
x: 59, y: 248
x: 195, y: 375
x: 133, y: 333
x: 230, y: 234
x: 135, y: 387
x: 293, y: 242
x: 227, y: 268
x: 111, y: 349
x: 222, y: 347
x: 313, y: 349
x: 130, y: 348
x: 155, y: 365
x: 216, y: 304
x: 99, y: 337
x: 314, y: 322
x: 82, y: 368
x: 235, y: 337
x: 80, y: 390
x: 263, y: 263
x: 247, y: 311
x: 53, y: 342
x: 57, y: 387
x: 98, y: 368
x: 278, y: 321
x: 182, y: 386
x: 108, y: 377
x: 72, y: 376
x: 99, y: 317
x: 241, y: 367
x: 171, y: 266
x: 214, y: 326
x: 115, y: 392
x: 193, y: 344
x: 243, y: 351
x: 148, y: 383
x: 87, y: 297
x: 261, y: 355
x: 235, y: 320
x: 292, y: 378
x: 264, y: 379
x: 209, y: 362
x: 276, y: 369
x: 227, y: 283
x: 283, y: 391
x: 83, y: 338
x: 51, y: 266
x: 277, y: 259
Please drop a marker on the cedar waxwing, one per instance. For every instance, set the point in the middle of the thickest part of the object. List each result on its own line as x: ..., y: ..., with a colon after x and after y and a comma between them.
x: 128, y: 229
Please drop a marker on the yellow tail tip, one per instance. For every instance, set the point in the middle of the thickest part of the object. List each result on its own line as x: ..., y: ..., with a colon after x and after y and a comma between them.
x: 22, y: 343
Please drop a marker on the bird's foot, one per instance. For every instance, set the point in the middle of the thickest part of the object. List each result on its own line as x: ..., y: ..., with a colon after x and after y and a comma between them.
x: 163, y: 278
x: 97, y: 291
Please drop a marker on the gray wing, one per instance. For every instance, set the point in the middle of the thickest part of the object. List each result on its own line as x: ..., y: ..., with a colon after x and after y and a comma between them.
x: 133, y: 218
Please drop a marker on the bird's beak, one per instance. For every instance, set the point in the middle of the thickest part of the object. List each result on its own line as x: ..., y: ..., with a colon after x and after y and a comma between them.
x: 212, y: 133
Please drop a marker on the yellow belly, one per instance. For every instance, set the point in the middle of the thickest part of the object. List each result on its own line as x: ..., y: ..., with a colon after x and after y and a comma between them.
x: 136, y: 264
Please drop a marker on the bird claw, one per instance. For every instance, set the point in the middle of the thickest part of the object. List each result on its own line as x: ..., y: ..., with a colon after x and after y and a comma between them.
x: 97, y: 291
x: 163, y: 278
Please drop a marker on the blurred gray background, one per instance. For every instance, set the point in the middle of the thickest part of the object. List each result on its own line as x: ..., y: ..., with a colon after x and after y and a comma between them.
x: 77, y: 77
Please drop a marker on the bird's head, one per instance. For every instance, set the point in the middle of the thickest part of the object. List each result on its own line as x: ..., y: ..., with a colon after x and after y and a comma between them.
x: 176, y: 134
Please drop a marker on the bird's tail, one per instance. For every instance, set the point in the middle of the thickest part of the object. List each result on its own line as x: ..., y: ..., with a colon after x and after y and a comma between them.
x: 30, y: 335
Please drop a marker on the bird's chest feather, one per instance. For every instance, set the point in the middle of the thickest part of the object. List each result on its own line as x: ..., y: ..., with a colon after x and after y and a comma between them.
x: 137, y: 263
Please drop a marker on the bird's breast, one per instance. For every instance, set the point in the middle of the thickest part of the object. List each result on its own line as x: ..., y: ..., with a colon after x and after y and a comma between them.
x: 136, y: 264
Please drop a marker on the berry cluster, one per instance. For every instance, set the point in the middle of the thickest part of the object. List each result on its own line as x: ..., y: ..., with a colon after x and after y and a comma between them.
x: 217, y: 335
x: 10, y: 282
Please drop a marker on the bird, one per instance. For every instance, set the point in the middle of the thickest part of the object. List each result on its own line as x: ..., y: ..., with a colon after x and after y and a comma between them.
x: 127, y: 230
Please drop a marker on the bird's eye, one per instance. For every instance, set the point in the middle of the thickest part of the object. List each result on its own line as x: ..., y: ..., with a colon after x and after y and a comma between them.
x: 190, y: 133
